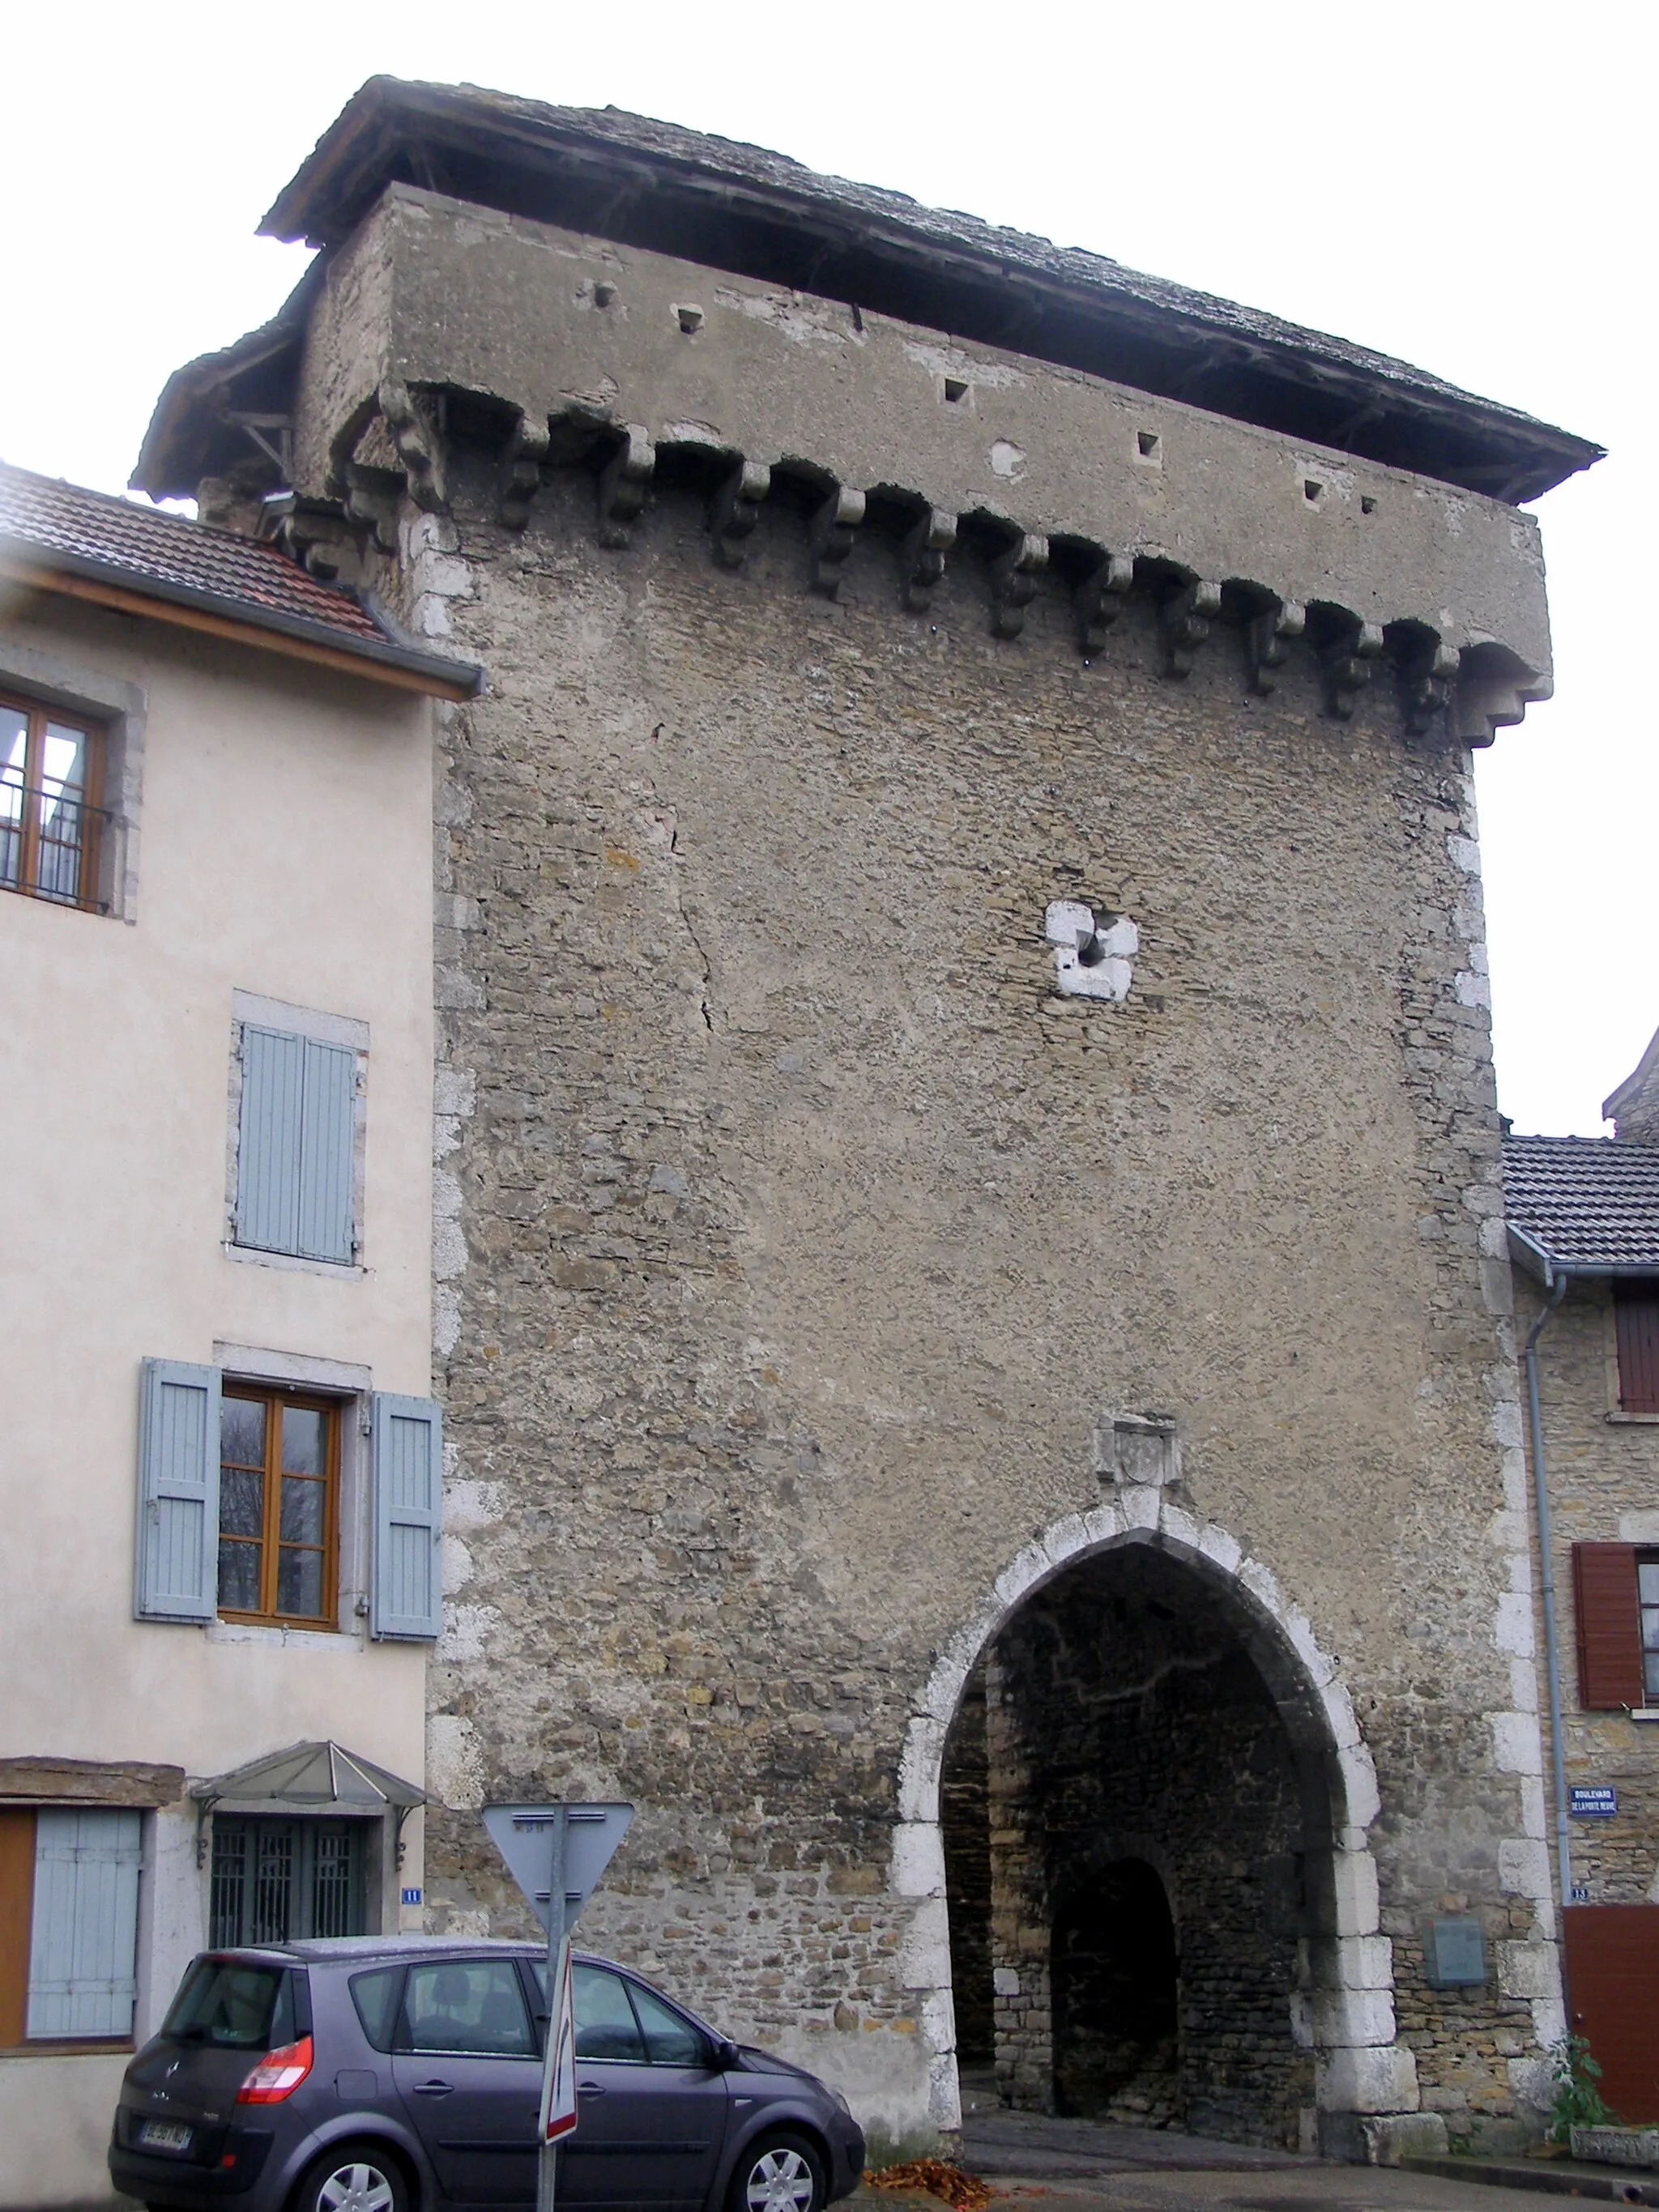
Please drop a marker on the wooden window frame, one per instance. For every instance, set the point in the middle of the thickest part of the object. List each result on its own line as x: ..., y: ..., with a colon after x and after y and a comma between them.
x: 38, y: 715
x: 278, y: 1398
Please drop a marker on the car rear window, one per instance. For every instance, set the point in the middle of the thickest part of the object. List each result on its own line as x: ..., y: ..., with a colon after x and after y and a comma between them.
x: 375, y: 1997
x: 233, y: 2006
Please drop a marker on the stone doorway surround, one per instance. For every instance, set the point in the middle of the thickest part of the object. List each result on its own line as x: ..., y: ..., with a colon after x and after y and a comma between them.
x: 1367, y: 2090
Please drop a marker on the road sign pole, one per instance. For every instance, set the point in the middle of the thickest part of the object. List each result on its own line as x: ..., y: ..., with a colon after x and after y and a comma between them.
x: 558, y: 1964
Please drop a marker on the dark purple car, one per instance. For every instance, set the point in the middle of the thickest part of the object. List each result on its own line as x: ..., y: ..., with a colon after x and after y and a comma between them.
x: 377, y: 2074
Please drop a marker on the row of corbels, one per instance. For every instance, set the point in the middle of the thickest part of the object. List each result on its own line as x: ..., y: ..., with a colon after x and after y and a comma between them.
x: 1426, y: 669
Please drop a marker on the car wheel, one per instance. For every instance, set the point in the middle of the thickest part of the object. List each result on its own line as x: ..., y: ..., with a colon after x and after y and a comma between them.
x: 353, y: 2177
x: 779, y: 2173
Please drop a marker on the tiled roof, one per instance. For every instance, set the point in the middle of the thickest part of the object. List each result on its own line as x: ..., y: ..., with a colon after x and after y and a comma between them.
x: 153, y: 547
x: 1588, y: 1202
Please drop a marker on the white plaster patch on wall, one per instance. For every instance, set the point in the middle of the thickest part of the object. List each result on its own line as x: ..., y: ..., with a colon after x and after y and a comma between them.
x: 1007, y: 460
x: 436, y: 574
x: 454, y: 1770
x: 1094, y: 955
x: 467, y: 1629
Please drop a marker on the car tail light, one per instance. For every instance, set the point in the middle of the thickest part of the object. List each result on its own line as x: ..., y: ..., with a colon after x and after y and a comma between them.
x: 277, y: 2075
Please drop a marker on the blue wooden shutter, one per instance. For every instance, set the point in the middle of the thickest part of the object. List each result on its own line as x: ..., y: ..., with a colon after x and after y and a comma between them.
x: 294, y: 1163
x: 84, y: 1938
x: 176, y: 1570
x: 407, y: 1596
x: 269, y: 1151
x: 328, y: 1093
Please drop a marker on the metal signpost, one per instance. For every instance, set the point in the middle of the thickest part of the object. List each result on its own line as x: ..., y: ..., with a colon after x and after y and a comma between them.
x: 557, y: 1853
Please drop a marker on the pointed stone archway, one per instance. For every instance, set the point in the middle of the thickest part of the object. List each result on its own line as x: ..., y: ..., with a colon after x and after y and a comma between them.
x: 1339, y: 2000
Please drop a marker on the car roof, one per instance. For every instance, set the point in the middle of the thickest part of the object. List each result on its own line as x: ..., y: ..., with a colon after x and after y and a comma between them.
x: 324, y: 1950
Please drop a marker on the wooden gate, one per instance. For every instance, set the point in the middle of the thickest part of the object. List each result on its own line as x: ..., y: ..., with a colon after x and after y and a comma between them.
x: 1613, y: 1981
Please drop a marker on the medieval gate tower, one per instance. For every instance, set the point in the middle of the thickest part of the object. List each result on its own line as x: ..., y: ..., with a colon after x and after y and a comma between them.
x: 971, y: 1306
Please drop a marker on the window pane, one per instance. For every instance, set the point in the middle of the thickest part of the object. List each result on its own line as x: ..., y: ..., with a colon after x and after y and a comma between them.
x: 242, y: 1431
x: 1651, y: 1675
x: 302, y: 1440
x: 605, y: 2027
x: 1647, y: 1581
x: 273, y: 1885
x: 14, y: 748
x: 1650, y: 1627
x: 63, y: 817
x: 239, y: 1577
x: 228, y: 1885
x: 375, y: 1997
x: 299, y: 1583
x: 230, y: 2008
x: 332, y: 1879
x: 669, y: 2040
x: 241, y: 1502
x: 478, y: 2007
x: 302, y: 1511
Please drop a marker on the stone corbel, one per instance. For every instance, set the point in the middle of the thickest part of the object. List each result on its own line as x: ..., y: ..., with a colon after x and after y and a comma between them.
x: 1014, y: 572
x: 371, y: 502
x: 624, y: 482
x: 528, y: 445
x: 1100, y: 599
x: 1347, y: 667
x: 1184, y: 622
x: 1268, y: 641
x: 921, y: 556
x: 1493, y: 691
x: 415, y: 443
x: 736, y: 510
x: 1428, y: 679
x: 831, y: 536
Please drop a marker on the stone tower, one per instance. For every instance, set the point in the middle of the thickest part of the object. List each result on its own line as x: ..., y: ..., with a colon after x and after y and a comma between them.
x: 970, y: 1256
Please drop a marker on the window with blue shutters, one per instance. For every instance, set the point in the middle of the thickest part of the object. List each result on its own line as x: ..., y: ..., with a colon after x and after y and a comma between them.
x: 296, y: 1145
x: 84, y: 1934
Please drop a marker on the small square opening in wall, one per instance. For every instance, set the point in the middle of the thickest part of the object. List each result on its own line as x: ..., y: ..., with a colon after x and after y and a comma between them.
x: 1312, y: 490
x: 1149, y: 446
x: 1367, y: 504
x: 956, y: 389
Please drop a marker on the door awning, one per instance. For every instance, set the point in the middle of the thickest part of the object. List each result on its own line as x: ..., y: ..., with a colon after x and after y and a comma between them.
x: 308, y: 1775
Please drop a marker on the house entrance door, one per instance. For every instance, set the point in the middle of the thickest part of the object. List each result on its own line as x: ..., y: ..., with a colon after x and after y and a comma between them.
x: 274, y: 1879
x: 1613, y: 1973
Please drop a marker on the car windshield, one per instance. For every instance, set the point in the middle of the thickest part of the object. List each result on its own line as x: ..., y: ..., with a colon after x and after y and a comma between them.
x: 232, y: 2007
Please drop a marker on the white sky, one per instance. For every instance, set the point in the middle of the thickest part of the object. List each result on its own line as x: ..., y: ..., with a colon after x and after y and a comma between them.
x: 1467, y: 186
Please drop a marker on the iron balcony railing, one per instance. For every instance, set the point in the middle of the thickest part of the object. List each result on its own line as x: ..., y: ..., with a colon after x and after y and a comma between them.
x: 53, y: 844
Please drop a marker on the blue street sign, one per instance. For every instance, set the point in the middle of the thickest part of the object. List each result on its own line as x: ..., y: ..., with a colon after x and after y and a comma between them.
x: 1597, y: 1804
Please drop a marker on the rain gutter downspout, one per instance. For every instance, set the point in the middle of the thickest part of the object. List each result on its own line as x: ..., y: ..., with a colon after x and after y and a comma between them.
x: 1555, y: 1281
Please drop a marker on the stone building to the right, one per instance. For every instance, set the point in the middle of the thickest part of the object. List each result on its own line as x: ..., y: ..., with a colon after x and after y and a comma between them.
x: 1583, y: 1224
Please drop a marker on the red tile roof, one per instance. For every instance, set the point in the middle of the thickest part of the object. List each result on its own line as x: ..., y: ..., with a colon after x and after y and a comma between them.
x: 165, y: 548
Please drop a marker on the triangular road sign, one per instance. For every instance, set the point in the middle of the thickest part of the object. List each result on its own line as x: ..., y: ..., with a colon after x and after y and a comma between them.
x: 523, y: 1834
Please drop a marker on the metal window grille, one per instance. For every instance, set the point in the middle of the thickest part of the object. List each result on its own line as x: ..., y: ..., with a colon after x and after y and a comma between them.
x: 275, y: 1880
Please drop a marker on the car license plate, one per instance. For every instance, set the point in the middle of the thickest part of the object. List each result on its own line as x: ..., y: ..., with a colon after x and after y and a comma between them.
x: 164, y: 2135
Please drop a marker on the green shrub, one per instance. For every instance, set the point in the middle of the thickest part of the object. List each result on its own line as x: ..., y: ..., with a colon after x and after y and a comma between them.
x: 1578, y: 2102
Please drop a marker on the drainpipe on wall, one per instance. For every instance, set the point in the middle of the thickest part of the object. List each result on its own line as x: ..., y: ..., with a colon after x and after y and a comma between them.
x: 1555, y: 1281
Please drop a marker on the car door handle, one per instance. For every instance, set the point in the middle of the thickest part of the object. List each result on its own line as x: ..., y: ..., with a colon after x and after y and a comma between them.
x: 590, y: 2089
x: 435, y: 2088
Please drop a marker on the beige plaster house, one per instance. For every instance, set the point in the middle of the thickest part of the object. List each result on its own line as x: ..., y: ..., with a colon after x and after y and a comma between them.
x: 221, y: 1460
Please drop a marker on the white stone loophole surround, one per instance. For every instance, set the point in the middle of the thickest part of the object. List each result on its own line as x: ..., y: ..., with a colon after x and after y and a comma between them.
x: 1345, y: 2010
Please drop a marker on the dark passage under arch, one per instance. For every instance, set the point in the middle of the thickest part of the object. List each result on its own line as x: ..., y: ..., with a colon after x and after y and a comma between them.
x: 1132, y: 1807
x: 1115, y: 1973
